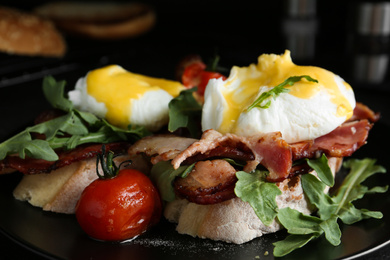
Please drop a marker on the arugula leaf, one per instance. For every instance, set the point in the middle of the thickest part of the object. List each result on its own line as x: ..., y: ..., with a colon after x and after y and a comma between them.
x: 260, y: 194
x: 184, y: 111
x: 213, y: 64
x: 305, y: 228
x: 67, y: 131
x: 54, y: 93
x: 187, y: 171
x: 69, y: 124
x: 163, y: 174
x: 89, y: 118
x: 234, y: 163
x: 322, y: 169
x: 297, y: 223
x: 314, y: 191
x: 276, y: 91
x: 332, y: 230
x: 24, y: 145
x: 292, y: 242
x: 352, y: 189
x: 23, y: 141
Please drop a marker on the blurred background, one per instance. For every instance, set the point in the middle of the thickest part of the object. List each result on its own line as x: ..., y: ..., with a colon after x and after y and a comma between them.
x: 350, y: 38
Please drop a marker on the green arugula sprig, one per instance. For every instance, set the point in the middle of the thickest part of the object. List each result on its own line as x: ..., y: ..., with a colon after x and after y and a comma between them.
x: 163, y: 174
x: 185, y: 111
x: 276, y: 91
x: 303, y: 228
x: 260, y: 194
x: 66, y: 132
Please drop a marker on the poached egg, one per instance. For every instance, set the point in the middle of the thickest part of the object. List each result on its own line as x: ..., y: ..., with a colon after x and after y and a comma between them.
x: 309, y: 110
x: 123, y: 97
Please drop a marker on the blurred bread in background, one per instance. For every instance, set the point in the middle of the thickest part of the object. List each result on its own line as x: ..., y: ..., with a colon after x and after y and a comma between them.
x: 27, y: 34
x: 100, y: 20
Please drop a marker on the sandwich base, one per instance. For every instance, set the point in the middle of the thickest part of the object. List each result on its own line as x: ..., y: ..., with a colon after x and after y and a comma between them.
x: 60, y: 190
x: 234, y: 221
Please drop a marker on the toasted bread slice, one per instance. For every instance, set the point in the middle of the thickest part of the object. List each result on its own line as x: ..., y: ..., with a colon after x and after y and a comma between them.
x: 234, y: 220
x: 60, y: 190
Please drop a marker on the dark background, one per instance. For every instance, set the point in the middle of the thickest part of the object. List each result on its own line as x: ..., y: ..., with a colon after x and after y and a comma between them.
x: 238, y: 31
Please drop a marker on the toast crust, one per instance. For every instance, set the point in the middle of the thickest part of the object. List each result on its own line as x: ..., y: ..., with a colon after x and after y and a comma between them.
x: 234, y: 220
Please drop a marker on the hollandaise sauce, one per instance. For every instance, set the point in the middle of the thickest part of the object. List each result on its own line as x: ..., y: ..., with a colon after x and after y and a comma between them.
x: 272, y: 70
x: 118, y: 88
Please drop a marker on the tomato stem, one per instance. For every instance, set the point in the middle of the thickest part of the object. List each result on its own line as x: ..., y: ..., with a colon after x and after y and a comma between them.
x: 109, y: 168
x: 106, y: 161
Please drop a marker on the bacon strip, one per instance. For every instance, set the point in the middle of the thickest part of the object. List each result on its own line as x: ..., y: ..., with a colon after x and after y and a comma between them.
x: 160, y: 147
x: 209, y: 182
x: 35, y: 166
x: 269, y: 149
x: 206, y: 185
x: 273, y: 153
x: 362, y: 111
x: 341, y: 142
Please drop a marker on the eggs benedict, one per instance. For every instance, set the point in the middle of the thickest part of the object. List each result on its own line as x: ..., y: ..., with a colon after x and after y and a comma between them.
x: 307, y: 109
x: 124, y: 98
x: 265, y: 126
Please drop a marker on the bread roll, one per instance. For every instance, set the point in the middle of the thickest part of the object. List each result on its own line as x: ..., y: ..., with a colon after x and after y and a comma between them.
x: 234, y: 220
x: 101, y: 20
x: 60, y: 190
x: 27, y: 34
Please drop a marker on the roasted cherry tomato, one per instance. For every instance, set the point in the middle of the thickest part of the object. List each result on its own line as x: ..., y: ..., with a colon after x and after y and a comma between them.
x: 192, y: 73
x: 195, y: 75
x: 204, y: 79
x: 119, y: 208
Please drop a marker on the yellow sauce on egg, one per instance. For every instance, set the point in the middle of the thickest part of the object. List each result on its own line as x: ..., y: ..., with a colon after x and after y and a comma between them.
x: 116, y: 88
x: 272, y: 70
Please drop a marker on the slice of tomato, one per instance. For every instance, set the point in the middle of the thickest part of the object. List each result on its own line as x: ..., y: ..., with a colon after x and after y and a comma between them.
x: 191, y: 74
x: 195, y: 75
x: 205, y: 76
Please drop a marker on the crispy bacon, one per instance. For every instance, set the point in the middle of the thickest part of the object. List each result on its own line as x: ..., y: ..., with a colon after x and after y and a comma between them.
x: 161, y: 147
x: 35, y: 166
x: 213, y: 182
x: 240, y: 153
x: 362, y: 111
x: 208, y: 183
x: 269, y: 150
x: 273, y: 153
x: 341, y: 142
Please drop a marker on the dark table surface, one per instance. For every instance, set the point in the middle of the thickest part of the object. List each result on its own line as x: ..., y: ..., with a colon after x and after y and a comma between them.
x: 238, y: 32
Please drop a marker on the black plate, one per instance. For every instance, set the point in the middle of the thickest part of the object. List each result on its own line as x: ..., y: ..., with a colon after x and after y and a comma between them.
x: 58, y: 236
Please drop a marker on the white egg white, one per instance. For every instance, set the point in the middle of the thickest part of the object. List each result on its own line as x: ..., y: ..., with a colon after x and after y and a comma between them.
x: 298, y: 119
x: 150, y: 110
x: 85, y: 102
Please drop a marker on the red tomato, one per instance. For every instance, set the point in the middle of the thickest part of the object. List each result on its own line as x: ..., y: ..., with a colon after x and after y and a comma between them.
x: 191, y: 74
x: 204, y: 79
x: 195, y: 75
x: 119, y: 208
